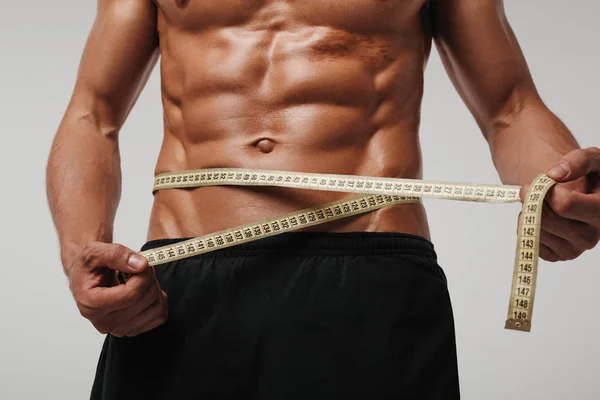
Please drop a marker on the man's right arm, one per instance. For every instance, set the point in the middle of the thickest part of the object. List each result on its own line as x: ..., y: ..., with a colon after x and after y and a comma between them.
x: 83, y: 173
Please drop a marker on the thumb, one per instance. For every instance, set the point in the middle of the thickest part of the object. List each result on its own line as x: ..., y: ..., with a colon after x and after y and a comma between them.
x: 116, y: 257
x: 575, y: 164
x: 523, y: 191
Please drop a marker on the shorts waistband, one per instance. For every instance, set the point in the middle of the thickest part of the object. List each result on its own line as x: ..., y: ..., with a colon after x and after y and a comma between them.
x: 320, y: 243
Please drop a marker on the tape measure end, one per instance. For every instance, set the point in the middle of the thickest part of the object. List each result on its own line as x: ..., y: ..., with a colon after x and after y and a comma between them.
x: 518, y: 325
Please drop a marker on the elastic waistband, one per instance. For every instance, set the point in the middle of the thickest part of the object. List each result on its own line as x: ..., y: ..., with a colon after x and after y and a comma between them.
x: 320, y: 243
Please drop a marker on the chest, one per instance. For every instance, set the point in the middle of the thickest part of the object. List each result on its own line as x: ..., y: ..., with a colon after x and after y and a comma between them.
x: 358, y: 15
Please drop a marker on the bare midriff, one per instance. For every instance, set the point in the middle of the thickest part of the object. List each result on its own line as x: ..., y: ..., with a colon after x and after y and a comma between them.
x: 325, y: 86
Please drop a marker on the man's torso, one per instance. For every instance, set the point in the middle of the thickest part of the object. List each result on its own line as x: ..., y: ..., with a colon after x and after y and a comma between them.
x: 325, y: 86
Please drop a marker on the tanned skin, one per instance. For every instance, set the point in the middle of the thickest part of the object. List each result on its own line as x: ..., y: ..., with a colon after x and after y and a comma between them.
x: 330, y: 86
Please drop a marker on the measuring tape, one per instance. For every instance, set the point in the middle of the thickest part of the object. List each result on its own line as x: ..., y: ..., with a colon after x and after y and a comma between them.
x: 376, y: 193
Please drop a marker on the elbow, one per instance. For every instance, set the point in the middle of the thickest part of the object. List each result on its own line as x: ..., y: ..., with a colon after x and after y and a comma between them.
x: 89, y: 112
x: 93, y: 116
x: 512, y: 103
x: 506, y: 119
x: 101, y: 126
x: 510, y: 110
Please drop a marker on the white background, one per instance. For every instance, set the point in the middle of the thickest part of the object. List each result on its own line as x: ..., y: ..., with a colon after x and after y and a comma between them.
x: 48, y: 351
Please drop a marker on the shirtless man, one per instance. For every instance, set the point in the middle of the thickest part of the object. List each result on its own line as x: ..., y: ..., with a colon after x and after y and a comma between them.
x: 358, y: 307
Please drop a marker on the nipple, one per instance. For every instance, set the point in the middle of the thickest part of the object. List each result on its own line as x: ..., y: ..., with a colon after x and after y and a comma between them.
x: 265, y: 145
x: 181, y: 3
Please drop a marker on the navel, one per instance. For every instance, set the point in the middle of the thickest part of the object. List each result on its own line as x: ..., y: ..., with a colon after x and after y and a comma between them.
x: 265, y: 145
x: 181, y: 3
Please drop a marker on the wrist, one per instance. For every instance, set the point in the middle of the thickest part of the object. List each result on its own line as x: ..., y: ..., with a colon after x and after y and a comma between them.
x: 68, y: 253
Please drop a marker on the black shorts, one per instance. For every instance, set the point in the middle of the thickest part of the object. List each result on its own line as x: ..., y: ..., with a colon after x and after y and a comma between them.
x: 297, y: 316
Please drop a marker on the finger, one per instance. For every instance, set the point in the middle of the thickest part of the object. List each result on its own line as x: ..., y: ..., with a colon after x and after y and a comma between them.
x: 163, y: 317
x: 151, y: 317
x: 523, y: 191
x: 114, y: 256
x: 547, y: 254
x: 575, y: 205
x: 561, y: 247
x: 580, y: 234
x: 575, y: 164
x: 123, y: 316
x: 105, y: 300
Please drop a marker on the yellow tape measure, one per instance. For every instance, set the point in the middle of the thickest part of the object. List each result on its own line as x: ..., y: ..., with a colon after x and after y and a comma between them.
x: 376, y: 192
x: 522, y: 292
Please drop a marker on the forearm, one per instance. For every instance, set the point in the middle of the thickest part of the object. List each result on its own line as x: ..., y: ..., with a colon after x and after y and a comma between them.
x: 528, y: 142
x: 83, y: 183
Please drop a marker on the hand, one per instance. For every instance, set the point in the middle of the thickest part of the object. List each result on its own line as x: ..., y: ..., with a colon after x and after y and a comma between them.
x: 122, y: 310
x: 571, y: 212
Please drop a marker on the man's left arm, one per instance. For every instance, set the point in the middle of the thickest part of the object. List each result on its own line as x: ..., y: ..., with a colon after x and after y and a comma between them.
x: 486, y: 65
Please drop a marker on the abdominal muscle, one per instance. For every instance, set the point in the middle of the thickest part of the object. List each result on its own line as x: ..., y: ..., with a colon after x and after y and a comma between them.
x: 296, y: 98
